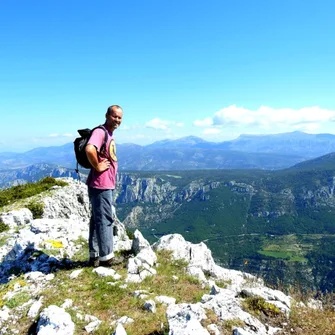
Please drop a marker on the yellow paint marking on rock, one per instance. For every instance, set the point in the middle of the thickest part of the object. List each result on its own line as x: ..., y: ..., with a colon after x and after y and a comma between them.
x: 55, y: 244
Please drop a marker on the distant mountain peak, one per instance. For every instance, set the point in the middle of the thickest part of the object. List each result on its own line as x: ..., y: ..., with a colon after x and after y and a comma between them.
x: 190, y: 139
x: 180, y: 142
x: 288, y: 134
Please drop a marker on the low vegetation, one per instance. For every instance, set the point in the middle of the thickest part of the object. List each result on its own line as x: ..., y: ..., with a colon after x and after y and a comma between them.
x: 3, y: 227
x: 36, y: 209
x: 13, y: 194
x: 101, y: 297
x: 308, y: 321
x: 108, y: 300
x: 258, y: 305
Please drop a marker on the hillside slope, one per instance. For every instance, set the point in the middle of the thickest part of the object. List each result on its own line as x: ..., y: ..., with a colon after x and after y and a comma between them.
x: 171, y: 287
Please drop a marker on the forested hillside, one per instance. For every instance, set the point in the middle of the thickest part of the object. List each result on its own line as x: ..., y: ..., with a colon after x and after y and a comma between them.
x: 267, y: 222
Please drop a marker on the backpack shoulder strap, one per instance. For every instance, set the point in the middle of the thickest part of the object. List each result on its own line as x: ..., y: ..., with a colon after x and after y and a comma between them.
x: 103, y: 147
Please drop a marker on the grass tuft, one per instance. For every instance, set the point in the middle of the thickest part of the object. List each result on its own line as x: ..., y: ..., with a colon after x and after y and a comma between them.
x: 18, y: 299
x: 308, y: 321
x: 36, y: 209
x: 3, y: 227
x: 258, y: 305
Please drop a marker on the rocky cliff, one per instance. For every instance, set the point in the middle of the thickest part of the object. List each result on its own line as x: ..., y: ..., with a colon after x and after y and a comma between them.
x: 256, y: 208
x: 160, y: 189
x: 161, y: 192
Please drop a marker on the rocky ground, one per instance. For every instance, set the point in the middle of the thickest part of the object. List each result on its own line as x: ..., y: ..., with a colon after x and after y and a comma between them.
x: 44, y: 278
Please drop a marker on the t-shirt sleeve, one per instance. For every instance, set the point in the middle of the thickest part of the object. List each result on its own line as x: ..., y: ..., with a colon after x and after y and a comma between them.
x: 97, y: 138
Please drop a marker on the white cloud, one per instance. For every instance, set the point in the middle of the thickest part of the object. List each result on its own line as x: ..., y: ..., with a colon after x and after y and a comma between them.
x: 307, y: 127
x: 211, y: 131
x: 268, y: 119
x: 203, y: 123
x: 234, y: 115
x: 162, y: 124
x: 157, y: 124
x: 132, y: 127
x: 61, y: 135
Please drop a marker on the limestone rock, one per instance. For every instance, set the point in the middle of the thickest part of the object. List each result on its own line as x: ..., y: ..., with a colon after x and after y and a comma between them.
x: 35, y: 307
x: 165, y: 300
x: 150, y: 306
x: 184, y: 319
x: 16, y: 218
x: 120, y: 330
x: 54, y: 320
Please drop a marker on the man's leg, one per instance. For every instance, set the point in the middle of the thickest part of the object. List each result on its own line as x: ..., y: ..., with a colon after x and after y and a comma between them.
x: 92, y: 240
x: 102, y: 214
x: 93, y: 245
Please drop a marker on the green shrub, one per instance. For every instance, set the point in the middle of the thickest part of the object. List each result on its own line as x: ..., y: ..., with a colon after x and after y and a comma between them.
x: 231, y: 323
x: 130, y: 234
x: 36, y: 208
x: 258, y: 305
x: 11, y: 195
x: 3, y: 227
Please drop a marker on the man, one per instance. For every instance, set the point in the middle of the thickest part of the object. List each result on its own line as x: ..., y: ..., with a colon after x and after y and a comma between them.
x: 101, y: 183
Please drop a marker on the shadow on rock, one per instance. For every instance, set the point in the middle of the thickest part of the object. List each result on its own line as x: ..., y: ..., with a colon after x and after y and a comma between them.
x: 31, y: 259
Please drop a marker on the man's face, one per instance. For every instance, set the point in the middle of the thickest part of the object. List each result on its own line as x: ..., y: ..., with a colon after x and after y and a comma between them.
x: 114, y: 118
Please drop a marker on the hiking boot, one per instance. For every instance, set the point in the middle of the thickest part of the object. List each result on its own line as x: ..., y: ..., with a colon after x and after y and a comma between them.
x: 94, y: 261
x: 112, y: 261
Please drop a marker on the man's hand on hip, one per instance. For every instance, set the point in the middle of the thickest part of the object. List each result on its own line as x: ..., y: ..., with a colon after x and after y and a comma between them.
x: 103, y: 165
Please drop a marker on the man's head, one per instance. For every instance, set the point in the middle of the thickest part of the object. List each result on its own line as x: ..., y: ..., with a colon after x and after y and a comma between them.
x: 113, y: 117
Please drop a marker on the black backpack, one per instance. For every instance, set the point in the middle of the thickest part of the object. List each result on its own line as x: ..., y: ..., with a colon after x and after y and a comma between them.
x: 80, y: 144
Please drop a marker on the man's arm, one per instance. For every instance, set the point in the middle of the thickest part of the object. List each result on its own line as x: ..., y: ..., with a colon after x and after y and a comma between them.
x: 92, y: 155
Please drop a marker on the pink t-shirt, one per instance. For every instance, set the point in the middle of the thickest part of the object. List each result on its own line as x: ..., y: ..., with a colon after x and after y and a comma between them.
x: 105, y: 180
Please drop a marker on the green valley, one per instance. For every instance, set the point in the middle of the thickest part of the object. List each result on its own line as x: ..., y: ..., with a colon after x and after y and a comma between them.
x: 277, y: 224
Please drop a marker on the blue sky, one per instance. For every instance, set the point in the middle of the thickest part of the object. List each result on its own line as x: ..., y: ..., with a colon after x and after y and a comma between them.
x: 213, y: 69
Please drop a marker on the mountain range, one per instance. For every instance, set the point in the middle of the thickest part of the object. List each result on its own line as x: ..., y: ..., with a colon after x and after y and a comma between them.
x: 35, y: 172
x: 269, y: 152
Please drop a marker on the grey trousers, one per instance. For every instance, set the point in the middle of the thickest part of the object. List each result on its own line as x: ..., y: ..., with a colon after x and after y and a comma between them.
x: 100, y: 240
